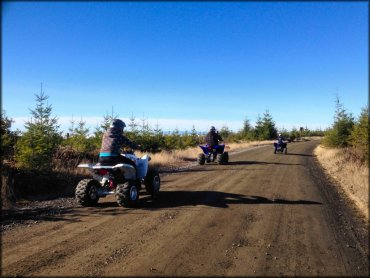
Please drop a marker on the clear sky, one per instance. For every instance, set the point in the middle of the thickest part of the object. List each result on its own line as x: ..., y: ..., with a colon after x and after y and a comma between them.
x: 180, y: 64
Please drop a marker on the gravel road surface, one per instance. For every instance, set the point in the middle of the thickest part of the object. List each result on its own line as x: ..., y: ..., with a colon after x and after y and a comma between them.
x: 261, y: 215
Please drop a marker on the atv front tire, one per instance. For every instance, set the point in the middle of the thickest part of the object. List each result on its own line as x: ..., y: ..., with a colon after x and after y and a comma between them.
x: 201, y: 159
x: 152, y: 182
x: 226, y: 157
x: 127, y: 194
x: 87, y: 192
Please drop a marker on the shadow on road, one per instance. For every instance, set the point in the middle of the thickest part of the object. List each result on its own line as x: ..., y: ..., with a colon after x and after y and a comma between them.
x: 186, y: 170
x: 167, y: 199
x: 301, y: 154
x: 210, y: 168
x: 259, y: 162
x: 212, y: 198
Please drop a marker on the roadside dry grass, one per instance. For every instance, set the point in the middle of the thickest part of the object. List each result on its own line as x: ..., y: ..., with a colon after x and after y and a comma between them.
x: 350, y: 174
x: 66, y: 163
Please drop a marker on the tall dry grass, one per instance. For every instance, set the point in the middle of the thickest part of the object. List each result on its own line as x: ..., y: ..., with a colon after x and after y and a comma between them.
x: 66, y: 160
x: 350, y: 174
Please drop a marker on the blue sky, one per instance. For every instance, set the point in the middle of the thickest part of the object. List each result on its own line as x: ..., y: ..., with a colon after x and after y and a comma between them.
x: 180, y: 64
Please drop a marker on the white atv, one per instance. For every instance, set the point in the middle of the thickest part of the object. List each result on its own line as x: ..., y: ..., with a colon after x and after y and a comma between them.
x: 122, y: 180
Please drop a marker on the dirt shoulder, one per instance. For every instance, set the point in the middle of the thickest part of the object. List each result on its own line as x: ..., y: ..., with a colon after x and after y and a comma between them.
x: 351, y: 227
x: 348, y: 174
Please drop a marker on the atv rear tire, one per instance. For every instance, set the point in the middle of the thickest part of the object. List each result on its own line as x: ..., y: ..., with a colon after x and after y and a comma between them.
x: 152, y: 182
x: 223, y: 158
x: 87, y: 192
x: 201, y: 159
x: 127, y: 194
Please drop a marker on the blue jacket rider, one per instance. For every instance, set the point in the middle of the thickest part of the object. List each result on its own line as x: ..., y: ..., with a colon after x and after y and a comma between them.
x: 280, y: 139
x: 280, y: 142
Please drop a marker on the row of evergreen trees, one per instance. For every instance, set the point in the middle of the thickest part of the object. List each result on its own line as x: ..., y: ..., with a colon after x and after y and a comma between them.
x: 346, y: 131
x: 34, y: 148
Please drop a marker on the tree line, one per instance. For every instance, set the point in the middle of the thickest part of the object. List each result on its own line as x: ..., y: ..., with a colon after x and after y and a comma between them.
x: 34, y: 148
x: 348, y: 132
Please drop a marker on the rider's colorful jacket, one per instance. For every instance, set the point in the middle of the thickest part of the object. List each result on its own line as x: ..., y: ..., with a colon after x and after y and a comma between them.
x: 113, y: 141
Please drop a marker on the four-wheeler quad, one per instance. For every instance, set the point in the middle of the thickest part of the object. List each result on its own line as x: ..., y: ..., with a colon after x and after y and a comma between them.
x: 280, y: 148
x: 210, y: 154
x: 121, y: 180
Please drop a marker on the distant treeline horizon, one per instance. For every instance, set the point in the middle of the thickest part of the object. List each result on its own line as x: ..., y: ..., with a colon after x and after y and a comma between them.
x: 35, y: 146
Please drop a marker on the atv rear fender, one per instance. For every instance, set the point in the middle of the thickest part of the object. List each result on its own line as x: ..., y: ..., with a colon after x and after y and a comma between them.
x: 127, y: 170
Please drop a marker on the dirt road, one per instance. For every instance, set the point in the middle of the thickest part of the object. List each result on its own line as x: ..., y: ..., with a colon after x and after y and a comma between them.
x: 262, y: 215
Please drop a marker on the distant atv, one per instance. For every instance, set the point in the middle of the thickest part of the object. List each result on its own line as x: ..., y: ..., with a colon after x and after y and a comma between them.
x: 121, y: 180
x: 280, y: 148
x: 211, y: 154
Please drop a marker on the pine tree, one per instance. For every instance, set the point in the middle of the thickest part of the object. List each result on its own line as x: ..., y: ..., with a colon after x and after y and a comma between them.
x: 159, y: 137
x: 265, y: 127
x: 174, y: 140
x: 107, y: 121
x: 247, y: 131
x: 38, y: 143
x: 246, y: 126
x: 294, y: 133
x: 79, y: 138
x: 225, y: 132
x: 258, y: 129
x: 194, y: 137
x: 338, y: 135
x: 145, y: 137
x: 359, y: 137
x: 190, y: 139
x: 133, y: 131
x: 71, y: 129
x: 270, y: 131
x: 8, y: 138
x: 133, y: 125
x: 97, y: 138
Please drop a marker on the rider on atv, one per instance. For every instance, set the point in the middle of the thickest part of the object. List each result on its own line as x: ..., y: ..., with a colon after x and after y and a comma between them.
x: 116, y: 173
x: 280, y: 142
x: 280, y: 139
x: 113, y: 140
x: 213, y: 139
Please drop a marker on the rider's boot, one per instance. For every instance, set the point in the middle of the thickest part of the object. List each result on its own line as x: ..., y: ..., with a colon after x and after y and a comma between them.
x: 214, y: 156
